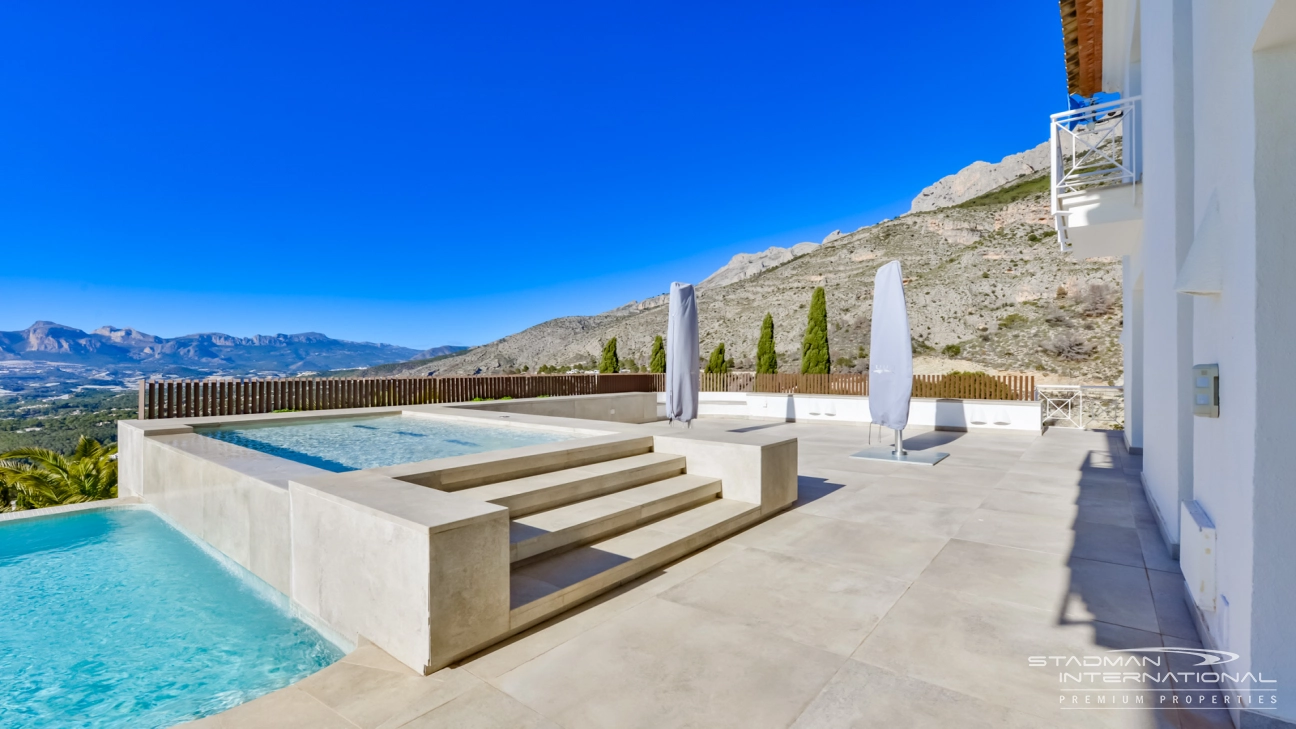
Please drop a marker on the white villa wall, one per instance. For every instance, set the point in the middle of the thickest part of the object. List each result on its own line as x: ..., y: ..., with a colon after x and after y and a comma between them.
x: 1224, y: 326
x: 1166, y: 80
x: 1273, y: 618
x: 1218, y: 83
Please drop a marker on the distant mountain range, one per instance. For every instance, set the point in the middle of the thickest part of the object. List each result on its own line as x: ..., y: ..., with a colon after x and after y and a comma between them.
x: 132, y: 350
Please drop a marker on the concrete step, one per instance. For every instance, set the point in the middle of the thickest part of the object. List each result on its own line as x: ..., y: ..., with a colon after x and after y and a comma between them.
x: 558, y: 488
x: 550, y: 585
x: 593, y: 519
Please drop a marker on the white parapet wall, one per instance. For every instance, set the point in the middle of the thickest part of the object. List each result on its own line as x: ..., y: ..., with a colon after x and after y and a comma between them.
x: 940, y: 413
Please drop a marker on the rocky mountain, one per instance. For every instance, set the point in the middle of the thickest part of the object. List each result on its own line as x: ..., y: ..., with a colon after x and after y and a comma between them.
x: 986, y: 284
x: 746, y: 265
x: 114, y: 348
x: 438, y: 351
x: 979, y: 178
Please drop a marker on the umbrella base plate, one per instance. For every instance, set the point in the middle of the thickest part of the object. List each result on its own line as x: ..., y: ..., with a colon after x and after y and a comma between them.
x: 887, y: 453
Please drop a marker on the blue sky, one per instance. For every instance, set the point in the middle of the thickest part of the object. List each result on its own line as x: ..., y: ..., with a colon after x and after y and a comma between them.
x: 426, y: 173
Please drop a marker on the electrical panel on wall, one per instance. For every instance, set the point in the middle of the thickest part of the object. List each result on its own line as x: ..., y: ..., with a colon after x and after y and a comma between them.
x: 1206, y: 390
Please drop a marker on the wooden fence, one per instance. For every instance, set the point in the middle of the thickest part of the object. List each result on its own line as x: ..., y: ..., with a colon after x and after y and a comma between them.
x: 198, y: 398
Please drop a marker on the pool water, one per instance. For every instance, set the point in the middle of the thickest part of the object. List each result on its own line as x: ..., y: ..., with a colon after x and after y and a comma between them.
x: 114, y: 618
x: 359, y: 443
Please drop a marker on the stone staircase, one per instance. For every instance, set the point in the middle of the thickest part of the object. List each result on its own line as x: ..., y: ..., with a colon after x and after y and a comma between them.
x: 580, y: 531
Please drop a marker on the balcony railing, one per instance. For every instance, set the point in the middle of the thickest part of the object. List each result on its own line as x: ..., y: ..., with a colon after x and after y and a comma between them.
x: 1092, y: 147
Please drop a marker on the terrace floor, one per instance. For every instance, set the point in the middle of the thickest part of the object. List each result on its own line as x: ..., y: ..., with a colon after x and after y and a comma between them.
x: 889, y: 595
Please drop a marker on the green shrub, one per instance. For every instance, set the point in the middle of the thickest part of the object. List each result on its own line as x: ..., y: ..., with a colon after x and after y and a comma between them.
x: 1012, y: 320
x: 815, y: 358
x: 766, y: 357
x: 952, y: 350
x: 610, y: 363
x: 658, y: 362
x: 717, y: 365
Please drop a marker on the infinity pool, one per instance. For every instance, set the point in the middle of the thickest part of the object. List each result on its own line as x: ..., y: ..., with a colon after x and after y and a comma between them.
x: 358, y: 443
x: 114, y: 619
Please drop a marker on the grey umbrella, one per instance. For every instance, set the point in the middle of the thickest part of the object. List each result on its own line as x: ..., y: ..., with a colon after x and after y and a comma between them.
x: 682, y: 354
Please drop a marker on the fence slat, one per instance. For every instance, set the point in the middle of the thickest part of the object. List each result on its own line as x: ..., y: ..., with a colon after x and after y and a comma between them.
x: 239, y: 396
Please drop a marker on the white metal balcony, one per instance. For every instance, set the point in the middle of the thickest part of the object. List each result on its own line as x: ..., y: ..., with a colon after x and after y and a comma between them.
x: 1096, y: 190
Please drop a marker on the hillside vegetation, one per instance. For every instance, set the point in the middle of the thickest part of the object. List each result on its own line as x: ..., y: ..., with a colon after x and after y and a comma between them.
x: 986, y: 286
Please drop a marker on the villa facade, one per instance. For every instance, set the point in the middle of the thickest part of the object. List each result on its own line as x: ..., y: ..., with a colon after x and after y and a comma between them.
x: 1194, y: 186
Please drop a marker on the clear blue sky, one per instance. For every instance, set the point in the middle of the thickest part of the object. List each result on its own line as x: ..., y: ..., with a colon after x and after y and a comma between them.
x: 426, y: 173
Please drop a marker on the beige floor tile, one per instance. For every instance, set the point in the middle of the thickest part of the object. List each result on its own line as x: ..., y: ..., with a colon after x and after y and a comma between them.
x: 662, y: 665
x: 366, y: 696
x: 481, y: 707
x: 454, y: 682
x: 899, y: 554
x: 945, y: 472
x: 825, y: 490
x: 861, y: 696
x: 980, y: 647
x: 1168, y: 592
x: 955, y: 493
x: 1111, y: 509
x: 503, y: 658
x: 1077, y: 589
x: 824, y: 606
x: 1056, y: 534
x: 1107, y: 543
x: 1025, y: 531
x: 286, y: 708
x: 1155, y: 554
x: 1110, y: 593
x: 900, y: 512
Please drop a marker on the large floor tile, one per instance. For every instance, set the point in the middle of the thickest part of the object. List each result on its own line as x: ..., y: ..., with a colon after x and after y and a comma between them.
x: 1078, y: 590
x: 1056, y: 534
x: 953, y: 492
x: 1155, y: 553
x: 861, y: 696
x: 899, y: 512
x: 482, y: 707
x: 286, y: 708
x: 981, y: 647
x: 1025, y: 531
x: 900, y: 554
x: 824, y: 606
x: 1170, y: 595
x: 366, y: 696
x: 1111, y: 508
x: 502, y: 658
x: 664, y: 665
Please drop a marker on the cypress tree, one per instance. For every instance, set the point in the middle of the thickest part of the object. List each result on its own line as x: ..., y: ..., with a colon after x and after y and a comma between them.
x: 766, y: 359
x: 610, y: 363
x: 658, y: 362
x: 717, y: 363
x: 814, y: 347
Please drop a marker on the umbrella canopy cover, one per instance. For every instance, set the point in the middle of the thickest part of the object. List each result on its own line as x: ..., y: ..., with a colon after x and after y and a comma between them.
x: 890, y: 351
x: 682, y: 354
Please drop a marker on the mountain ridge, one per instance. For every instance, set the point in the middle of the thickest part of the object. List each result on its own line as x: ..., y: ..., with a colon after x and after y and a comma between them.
x: 125, y: 347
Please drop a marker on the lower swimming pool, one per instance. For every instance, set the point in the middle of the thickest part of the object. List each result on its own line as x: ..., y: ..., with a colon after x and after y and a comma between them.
x: 350, y: 444
x: 113, y: 618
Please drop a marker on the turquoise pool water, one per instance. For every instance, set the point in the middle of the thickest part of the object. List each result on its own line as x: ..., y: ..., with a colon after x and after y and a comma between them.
x: 115, y: 619
x: 358, y: 443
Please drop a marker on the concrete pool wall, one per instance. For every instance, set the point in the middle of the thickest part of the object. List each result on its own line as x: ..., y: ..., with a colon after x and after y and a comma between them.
x: 394, y: 555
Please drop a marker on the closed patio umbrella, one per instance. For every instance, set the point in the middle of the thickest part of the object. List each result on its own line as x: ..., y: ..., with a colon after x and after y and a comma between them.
x: 891, y: 367
x: 682, y: 354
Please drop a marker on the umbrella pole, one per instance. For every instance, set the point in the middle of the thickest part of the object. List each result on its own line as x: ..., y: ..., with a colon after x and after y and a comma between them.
x: 899, y: 446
